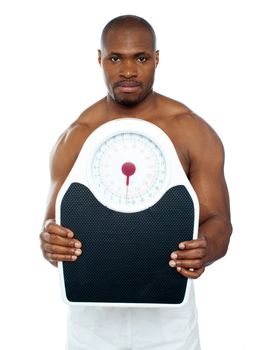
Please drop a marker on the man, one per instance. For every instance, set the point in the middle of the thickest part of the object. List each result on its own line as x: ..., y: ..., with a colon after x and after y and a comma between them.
x: 129, y: 58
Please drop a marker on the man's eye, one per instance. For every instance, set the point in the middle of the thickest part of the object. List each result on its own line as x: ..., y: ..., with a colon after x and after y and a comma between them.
x: 115, y: 59
x: 142, y: 59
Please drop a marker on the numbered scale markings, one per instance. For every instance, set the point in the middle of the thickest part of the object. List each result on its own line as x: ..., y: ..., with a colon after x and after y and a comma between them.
x: 128, y: 169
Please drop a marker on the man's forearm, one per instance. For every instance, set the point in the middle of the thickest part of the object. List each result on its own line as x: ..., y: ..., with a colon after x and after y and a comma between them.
x: 217, y: 231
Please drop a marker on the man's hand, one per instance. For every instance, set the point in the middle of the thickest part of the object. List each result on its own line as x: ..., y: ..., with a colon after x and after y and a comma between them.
x: 58, y: 244
x: 190, y: 260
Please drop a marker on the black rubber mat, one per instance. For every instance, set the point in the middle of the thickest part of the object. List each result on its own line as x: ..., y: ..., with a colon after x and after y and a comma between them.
x: 125, y: 255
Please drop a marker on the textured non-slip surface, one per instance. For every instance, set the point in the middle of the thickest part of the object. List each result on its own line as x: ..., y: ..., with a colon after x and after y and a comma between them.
x: 125, y: 255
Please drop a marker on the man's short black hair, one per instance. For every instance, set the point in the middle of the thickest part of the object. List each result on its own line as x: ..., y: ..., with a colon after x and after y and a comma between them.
x: 126, y: 21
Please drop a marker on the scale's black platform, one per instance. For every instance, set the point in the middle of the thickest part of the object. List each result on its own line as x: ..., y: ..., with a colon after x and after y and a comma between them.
x: 125, y: 255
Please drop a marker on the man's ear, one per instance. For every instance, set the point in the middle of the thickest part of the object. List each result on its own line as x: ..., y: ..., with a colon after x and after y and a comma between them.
x: 99, y: 57
x: 157, y: 58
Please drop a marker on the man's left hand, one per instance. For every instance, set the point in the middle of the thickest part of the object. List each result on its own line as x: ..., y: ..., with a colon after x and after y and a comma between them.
x: 190, y: 259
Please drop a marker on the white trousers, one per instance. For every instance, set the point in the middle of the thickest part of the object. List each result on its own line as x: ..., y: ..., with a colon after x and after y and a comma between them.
x: 113, y: 328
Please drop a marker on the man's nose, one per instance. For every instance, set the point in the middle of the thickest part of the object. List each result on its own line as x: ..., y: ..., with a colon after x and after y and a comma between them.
x: 128, y: 69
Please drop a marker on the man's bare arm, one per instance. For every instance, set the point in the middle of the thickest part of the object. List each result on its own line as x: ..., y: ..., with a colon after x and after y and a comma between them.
x: 206, y: 175
x: 57, y: 242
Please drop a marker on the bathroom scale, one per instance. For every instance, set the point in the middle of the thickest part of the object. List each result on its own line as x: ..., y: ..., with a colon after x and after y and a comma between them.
x: 129, y: 202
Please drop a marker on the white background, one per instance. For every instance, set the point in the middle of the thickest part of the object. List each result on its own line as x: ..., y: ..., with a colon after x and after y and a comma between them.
x: 211, y: 59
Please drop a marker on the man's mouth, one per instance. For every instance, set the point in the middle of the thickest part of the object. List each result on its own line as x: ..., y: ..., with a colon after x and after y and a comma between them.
x: 127, y: 86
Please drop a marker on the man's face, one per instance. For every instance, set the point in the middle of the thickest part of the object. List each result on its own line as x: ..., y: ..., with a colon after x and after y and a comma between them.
x: 128, y: 61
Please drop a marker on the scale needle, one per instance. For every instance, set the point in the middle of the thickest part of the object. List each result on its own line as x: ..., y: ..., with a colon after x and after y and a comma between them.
x: 128, y: 169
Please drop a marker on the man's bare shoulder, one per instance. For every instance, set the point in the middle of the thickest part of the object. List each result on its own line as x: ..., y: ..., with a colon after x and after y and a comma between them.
x: 170, y: 107
x: 182, y: 120
x: 75, y: 135
x: 192, y: 136
x: 70, y: 142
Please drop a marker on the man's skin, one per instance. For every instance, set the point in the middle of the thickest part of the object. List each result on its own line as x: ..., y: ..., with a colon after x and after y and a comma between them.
x: 129, y: 59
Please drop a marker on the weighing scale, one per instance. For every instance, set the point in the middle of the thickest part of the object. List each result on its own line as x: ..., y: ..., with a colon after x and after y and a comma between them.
x: 129, y: 202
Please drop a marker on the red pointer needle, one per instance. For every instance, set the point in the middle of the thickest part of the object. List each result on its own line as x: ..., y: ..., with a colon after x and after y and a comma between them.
x: 128, y: 169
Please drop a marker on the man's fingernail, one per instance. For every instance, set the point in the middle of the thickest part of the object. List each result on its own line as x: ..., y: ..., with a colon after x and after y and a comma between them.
x: 178, y: 268
x: 78, y: 252
x: 172, y: 263
x: 174, y: 256
x: 77, y: 245
x: 181, y: 245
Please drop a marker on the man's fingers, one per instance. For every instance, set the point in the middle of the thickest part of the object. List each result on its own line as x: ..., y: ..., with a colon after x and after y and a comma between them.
x: 58, y: 244
x: 191, y: 273
x: 194, y: 244
x: 59, y: 257
x: 51, y: 227
x: 195, y: 249
x: 55, y: 239
x: 197, y: 253
x: 187, y: 264
x: 55, y: 253
x: 50, y: 248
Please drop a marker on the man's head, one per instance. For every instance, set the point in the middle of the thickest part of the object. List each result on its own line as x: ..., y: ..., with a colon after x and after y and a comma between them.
x: 129, y: 58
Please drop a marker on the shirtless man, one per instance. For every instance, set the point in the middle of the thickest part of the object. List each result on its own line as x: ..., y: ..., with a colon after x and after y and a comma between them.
x: 129, y: 58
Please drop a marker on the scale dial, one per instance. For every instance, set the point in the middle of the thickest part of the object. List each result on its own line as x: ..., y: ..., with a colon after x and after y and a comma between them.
x: 129, y: 171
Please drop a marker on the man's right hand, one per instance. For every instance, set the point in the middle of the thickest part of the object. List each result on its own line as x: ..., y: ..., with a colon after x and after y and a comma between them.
x: 58, y: 244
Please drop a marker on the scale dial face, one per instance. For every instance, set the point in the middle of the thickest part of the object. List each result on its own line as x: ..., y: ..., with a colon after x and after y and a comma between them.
x: 129, y: 172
